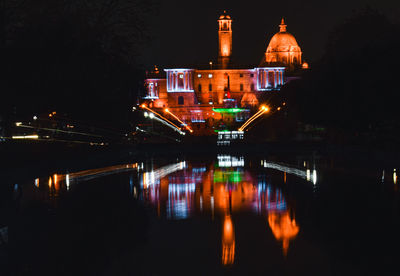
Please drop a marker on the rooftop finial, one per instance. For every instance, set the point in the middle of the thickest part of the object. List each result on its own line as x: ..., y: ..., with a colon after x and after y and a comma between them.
x: 282, y: 26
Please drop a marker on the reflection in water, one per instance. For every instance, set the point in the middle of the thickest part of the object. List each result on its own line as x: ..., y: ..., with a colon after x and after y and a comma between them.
x: 294, y: 171
x: 228, y: 241
x: 283, y: 227
x: 394, y: 176
x: 222, y: 189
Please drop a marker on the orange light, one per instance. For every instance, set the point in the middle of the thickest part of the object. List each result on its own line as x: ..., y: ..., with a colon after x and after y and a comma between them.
x: 228, y: 242
x: 176, y: 117
x: 284, y: 104
x: 165, y: 119
x: 279, y: 108
x: 262, y: 110
x: 284, y: 228
x: 50, y: 115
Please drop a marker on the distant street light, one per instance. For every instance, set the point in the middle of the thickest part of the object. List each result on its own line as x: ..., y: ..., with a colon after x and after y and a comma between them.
x: 211, y: 65
x: 35, y: 117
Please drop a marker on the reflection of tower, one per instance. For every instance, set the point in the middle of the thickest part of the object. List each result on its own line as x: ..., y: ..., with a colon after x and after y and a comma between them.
x: 228, y: 241
x: 225, y: 40
x: 283, y: 227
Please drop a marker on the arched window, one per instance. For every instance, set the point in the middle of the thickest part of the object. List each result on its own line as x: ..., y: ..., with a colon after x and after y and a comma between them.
x: 210, y: 87
x: 199, y: 88
x: 180, y: 100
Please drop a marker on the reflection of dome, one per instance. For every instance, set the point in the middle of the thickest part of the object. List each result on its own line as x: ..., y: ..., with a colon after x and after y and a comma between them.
x: 224, y: 16
x: 283, y: 49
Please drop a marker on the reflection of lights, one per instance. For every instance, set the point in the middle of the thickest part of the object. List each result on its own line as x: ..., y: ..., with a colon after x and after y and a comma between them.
x: 201, y: 203
x: 180, y: 200
x: 50, y: 182
x: 230, y: 161
x: 228, y: 242
x: 394, y: 176
x: 150, y: 178
x: 212, y: 206
x: 284, y: 228
x: 314, y: 180
x: 25, y: 137
x: 67, y: 181
x: 303, y: 174
x: 37, y: 182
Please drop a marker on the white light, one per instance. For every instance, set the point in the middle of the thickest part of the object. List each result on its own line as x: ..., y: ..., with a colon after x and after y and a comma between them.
x: 314, y: 177
x: 26, y: 137
x: 209, y: 76
x: 67, y: 181
x: 199, y: 75
x: 18, y: 123
x: 151, y: 115
x: 35, y: 117
x: 146, y: 114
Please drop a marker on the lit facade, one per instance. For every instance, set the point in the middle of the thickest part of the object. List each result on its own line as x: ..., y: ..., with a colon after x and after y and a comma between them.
x: 203, y: 98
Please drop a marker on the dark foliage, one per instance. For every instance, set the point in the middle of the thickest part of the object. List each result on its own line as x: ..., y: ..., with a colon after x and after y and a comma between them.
x: 76, y: 57
x: 353, y: 86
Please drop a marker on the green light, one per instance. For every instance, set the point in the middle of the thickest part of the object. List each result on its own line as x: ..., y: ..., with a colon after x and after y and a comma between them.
x: 225, y: 130
x: 228, y: 110
x: 230, y: 176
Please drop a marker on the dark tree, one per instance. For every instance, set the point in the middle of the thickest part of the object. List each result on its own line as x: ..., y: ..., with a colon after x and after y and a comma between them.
x: 77, y: 57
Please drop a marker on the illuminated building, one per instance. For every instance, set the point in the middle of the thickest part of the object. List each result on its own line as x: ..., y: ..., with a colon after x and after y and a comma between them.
x: 283, y: 50
x: 222, y: 98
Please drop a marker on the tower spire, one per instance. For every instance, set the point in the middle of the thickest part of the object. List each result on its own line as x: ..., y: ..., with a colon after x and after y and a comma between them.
x: 282, y: 26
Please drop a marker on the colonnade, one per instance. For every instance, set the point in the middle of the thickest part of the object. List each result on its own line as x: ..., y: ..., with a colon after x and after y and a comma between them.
x: 179, y: 80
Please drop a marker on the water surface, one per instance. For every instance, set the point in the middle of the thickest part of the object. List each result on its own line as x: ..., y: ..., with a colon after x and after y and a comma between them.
x: 215, y: 214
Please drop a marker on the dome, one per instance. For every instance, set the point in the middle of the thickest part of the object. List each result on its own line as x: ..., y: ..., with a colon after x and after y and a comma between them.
x: 283, y: 41
x: 283, y: 49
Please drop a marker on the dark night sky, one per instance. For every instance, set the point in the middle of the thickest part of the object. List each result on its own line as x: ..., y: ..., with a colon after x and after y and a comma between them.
x: 185, y: 32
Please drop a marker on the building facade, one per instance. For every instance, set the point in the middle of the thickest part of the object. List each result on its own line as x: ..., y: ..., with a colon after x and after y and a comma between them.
x: 209, y: 100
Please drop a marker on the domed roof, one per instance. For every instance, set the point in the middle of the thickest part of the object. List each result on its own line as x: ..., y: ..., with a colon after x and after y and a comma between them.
x: 283, y: 41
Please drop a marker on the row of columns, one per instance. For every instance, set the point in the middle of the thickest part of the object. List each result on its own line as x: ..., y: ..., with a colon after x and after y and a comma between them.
x: 176, y: 84
x: 263, y: 78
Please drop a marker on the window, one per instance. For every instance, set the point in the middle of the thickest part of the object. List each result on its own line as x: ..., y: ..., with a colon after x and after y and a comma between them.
x: 241, y: 75
x: 241, y: 87
x: 252, y: 87
x: 209, y: 76
x: 180, y: 100
x: 199, y: 75
x: 251, y: 75
x: 210, y: 87
x: 199, y: 89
